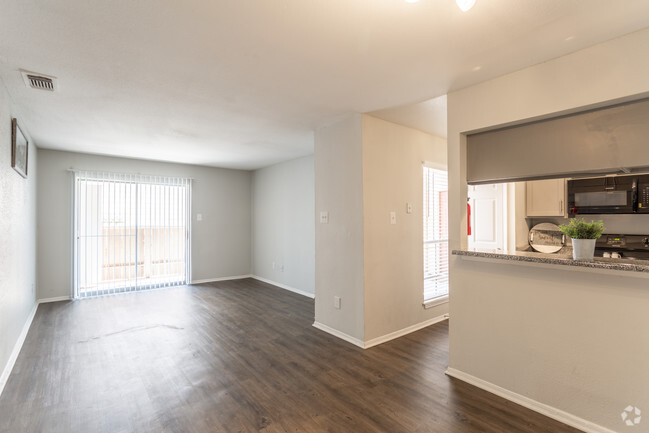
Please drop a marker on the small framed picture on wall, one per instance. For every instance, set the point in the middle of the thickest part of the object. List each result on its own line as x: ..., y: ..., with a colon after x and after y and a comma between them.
x: 19, y: 148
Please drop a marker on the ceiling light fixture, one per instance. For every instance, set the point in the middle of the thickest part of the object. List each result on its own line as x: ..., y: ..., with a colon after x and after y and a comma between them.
x: 465, y: 5
x: 412, y: 1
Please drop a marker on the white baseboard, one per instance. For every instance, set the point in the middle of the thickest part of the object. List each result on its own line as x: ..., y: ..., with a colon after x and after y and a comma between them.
x: 56, y: 299
x: 17, y: 347
x: 341, y: 335
x: 284, y: 286
x: 542, y: 408
x: 376, y: 341
x: 213, y: 280
x: 400, y: 333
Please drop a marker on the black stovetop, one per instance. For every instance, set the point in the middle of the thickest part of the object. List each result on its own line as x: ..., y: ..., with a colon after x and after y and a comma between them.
x: 628, y: 246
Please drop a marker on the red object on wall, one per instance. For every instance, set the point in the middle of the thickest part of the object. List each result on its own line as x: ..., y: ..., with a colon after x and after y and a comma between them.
x: 468, y: 219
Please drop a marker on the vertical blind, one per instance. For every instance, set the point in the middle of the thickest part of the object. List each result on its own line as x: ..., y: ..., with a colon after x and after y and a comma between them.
x: 435, y: 233
x: 131, y: 232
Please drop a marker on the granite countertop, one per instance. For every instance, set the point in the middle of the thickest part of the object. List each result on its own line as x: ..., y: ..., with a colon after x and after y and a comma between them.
x: 563, y: 257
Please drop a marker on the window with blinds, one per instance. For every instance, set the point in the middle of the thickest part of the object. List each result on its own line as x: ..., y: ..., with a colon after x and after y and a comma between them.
x: 131, y: 232
x: 435, y: 233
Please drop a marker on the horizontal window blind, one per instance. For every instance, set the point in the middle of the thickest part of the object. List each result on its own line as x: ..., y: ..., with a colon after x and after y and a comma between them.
x: 131, y: 232
x: 435, y: 233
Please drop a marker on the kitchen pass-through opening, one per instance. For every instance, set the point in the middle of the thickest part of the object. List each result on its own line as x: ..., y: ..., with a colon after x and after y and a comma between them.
x: 131, y: 232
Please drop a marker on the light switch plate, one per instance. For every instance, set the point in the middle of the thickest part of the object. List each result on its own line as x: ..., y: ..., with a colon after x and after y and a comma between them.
x: 324, y: 217
x: 393, y: 217
x: 199, y: 217
x: 408, y: 207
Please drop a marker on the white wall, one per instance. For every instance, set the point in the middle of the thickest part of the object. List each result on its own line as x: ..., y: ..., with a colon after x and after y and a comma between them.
x: 570, y: 340
x: 17, y: 238
x: 221, y: 242
x: 339, y: 244
x: 574, y: 340
x: 364, y: 169
x: 284, y: 224
x: 517, y: 229
x: 393, y: 177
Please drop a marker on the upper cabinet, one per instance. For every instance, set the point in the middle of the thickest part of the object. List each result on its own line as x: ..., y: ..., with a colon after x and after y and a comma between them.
x: 546, y: 198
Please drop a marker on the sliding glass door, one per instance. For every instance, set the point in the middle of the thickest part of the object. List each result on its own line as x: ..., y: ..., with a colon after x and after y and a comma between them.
x: 131, y: 232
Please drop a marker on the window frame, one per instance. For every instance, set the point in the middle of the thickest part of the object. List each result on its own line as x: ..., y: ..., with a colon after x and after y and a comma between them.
x: 444, y: 298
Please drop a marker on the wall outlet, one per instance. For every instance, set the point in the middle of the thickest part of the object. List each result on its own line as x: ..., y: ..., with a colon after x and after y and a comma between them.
x: 324, y: 217
x: 393, y: 217
x: 337, y: 302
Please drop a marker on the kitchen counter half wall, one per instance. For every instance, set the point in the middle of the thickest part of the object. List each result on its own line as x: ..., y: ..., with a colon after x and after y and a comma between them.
x: 560, y: 259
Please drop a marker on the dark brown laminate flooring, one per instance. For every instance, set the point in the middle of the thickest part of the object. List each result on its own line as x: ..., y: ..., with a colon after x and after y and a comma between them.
x: 235, y: 356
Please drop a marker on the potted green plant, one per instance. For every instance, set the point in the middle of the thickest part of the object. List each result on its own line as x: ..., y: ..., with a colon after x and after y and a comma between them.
x: 583, y: 235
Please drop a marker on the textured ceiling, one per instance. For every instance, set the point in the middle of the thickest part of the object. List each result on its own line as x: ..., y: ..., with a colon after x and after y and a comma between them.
x: 428, y: 116
x: 243, y: 84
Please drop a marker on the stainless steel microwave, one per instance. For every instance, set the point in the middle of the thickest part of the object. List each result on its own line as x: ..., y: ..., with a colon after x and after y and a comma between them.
x: 609, y: 195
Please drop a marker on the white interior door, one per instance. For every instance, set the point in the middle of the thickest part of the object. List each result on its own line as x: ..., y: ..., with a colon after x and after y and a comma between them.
x: 487, y: 217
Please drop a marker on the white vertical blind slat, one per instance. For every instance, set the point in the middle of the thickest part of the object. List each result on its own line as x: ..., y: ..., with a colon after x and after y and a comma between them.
x: 166, y: 211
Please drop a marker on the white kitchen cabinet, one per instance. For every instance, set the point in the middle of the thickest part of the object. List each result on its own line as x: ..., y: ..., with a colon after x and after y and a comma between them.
x: 546, y: 198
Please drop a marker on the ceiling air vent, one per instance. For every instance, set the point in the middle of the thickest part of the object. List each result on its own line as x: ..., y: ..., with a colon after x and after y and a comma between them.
x: 39, y: 81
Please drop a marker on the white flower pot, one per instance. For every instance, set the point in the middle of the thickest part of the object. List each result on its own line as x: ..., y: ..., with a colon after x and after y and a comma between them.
x: 583, y: 249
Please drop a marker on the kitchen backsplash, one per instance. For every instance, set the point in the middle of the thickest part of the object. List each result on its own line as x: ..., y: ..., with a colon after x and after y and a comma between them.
x: 619, y: 224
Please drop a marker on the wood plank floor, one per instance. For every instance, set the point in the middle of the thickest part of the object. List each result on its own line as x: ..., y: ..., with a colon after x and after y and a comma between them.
x: 235, y: 356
